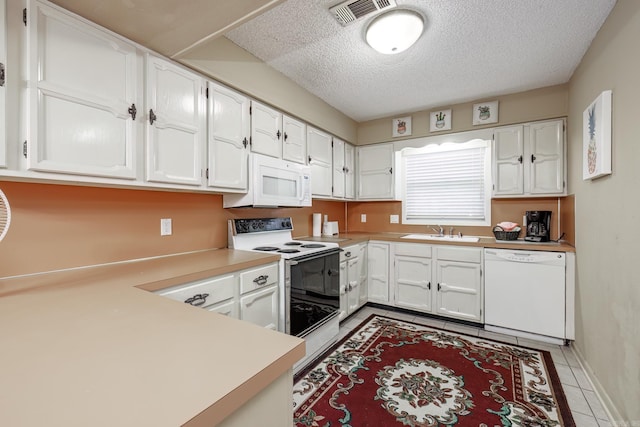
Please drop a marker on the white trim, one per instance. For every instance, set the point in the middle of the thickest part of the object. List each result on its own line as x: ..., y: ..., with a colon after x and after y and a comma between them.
x: 607, y: 403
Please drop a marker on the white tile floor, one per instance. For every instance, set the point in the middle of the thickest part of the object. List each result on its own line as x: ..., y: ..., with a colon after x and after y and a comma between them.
x: 585, y: 406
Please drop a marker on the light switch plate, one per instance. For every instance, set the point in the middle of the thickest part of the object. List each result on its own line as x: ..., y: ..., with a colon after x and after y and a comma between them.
x: 165, y: 227
x: 394, y: 219
x: 363, y: 217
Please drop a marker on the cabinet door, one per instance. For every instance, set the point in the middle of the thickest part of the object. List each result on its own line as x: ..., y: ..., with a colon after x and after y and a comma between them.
x: 294, y: 140
x: 83, y: 89
x: 3, y: 90
x: 362, y: 273
x: 266, y: 130
x: 176, y: 123
x: 546, y: 157
x: 508, y: 161
x: 350, y: 170
x: 229, y: 129
x: 344, y: 289
x: 353, y: 285
x: 375, y: 172
x: 378, y: 269
x: 338, y: 186
x: 320, y: 153
x: 261, y: 307
x: 458, y: 290
x: 227, y: 308
x: 413, y: 282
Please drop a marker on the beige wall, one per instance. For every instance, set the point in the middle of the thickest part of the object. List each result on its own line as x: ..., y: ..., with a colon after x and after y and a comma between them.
x: 226, y: 62
x: 62, y: 226
x: 608, y: 288
x: 546, y: 103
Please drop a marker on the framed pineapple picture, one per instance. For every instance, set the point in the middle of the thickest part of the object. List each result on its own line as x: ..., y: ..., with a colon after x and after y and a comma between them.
x: 485, y: 112
x: 401, y: 126
x: 596, y: 137
x: 440, y: 120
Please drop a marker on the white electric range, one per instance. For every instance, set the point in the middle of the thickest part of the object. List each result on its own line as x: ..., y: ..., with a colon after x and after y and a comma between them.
x: 309, y: 279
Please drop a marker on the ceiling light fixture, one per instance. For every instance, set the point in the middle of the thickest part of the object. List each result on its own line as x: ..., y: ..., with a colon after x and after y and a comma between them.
x: 394, y: 31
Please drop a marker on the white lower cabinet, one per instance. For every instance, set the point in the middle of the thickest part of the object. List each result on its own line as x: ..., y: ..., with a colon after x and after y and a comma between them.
x: 412, y: 274
x: 458, y: 277
x: 442, y: 280
x: 250, y: 295
x: 378, y: 272
x: 211, y: 294
x: 261, y: 307
x: 259, y: 296
x: 353, y: 279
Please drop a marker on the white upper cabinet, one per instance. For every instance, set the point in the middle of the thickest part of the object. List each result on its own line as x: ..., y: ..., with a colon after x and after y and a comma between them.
x: 338, y: 168
x: 320, y: 158
x: 84, y: 97
x: 294, y: 140
x: 350, y: 171
x: 529, y: 159
x: 3, y: 90
x: 375, y: 172
x: 546, y: 156
x: 176, y: 123
x: 508, y: 160
x: 266, y: 130
x: 229, y: 130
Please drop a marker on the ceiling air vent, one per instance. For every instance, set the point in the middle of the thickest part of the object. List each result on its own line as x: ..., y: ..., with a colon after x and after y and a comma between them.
x: 351, y: 10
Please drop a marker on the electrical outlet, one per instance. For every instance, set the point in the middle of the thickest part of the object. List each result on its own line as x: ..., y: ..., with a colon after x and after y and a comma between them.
x: 165, y: 227
x: 394, y: 219
x: 363, y: 217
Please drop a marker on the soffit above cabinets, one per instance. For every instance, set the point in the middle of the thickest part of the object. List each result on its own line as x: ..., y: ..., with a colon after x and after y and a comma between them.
x: 168, y: 26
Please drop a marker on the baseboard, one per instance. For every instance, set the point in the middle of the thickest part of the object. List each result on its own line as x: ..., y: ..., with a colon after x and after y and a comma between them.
x: 607, y: 404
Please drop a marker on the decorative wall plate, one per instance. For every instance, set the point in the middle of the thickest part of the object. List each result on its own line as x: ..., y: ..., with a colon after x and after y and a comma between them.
x: 5, y: 215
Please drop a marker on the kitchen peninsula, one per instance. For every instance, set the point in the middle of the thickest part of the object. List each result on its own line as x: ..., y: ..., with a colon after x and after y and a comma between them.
x: 93, y: 346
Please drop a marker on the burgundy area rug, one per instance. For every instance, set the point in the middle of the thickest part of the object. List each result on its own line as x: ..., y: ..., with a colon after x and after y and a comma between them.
x: 396, y: 373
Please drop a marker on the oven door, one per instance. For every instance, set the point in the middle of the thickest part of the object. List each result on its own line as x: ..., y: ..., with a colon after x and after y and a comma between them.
x: 313, y: 291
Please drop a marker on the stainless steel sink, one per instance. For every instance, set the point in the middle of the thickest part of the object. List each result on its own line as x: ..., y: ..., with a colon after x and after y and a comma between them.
x: 454, y: 238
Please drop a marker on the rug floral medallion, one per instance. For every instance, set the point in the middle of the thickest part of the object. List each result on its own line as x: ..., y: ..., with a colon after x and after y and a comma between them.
x: 396, y: 373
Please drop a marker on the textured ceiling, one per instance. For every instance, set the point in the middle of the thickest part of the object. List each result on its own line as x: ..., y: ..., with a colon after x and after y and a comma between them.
x: 471, y: 49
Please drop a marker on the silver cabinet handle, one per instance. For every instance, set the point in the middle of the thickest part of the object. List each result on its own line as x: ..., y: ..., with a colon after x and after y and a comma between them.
x: 197, y: 300
x: 261, y: 280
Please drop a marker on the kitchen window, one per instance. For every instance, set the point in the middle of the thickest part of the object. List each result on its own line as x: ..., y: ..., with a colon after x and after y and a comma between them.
x: 447, y: 184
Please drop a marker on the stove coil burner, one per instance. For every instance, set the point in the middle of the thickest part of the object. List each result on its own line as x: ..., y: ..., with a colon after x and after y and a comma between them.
x: 313, y: 246
x: 293, y: 244
x: 266, y: 248
x: 288, y: 251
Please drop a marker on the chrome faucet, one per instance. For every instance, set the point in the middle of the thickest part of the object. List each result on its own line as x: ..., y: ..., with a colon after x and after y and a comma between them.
x: 439, y: 230
x: 450, y: 231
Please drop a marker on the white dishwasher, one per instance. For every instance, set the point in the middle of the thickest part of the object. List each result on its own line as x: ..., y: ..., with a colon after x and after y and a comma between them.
x: 525, y: 291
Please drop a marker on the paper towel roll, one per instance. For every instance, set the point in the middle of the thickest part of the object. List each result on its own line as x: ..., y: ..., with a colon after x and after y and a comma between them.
x: 317, y: 225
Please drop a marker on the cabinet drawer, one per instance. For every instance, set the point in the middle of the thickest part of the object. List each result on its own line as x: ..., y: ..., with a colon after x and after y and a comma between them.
x: 203, y: 293
x: 349, y: 252
x: 413, y: 249
x: 456, y: 253
x: 258, y: 278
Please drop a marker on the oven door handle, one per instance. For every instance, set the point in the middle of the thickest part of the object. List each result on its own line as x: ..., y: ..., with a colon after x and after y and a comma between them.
x: 313, y: 256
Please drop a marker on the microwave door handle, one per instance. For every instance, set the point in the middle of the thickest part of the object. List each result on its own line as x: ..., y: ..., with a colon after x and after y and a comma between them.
x: 300, y: 191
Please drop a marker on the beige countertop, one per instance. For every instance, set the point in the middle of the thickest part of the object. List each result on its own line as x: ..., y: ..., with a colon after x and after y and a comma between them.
x: 347, y: 239
x: 92, y: 347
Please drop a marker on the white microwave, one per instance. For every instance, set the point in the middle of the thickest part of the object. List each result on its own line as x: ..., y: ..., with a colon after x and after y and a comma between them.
x: 273, y: 183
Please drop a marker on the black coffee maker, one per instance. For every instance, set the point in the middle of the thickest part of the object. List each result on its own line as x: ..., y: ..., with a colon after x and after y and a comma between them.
x: 538, y: 226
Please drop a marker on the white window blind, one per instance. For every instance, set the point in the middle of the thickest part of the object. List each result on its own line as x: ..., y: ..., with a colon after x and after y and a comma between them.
x: 446, y: 185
